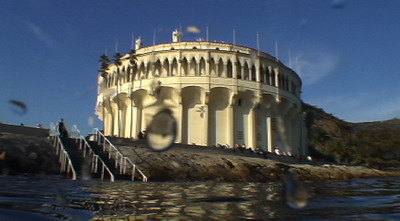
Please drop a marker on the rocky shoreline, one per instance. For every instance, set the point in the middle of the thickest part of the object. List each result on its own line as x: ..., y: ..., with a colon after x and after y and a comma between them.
x: 195, y: 163
x: 28, y: 154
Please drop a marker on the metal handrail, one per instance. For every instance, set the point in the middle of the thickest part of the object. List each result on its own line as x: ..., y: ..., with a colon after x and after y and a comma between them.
x: 84, y: 145
x: 120, y: 159
x: 64, y: 159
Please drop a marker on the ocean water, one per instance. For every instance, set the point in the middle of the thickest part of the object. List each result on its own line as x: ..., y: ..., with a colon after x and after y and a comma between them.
x: 57, y: 198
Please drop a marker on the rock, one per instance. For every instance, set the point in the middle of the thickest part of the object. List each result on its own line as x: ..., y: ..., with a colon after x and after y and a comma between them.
x: 27, y: 154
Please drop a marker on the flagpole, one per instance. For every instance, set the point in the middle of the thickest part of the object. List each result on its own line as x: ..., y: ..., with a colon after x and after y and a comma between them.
x: 258, y: 44
x: 207, y: 32
x: 234, y: 36
x: 154, y: 37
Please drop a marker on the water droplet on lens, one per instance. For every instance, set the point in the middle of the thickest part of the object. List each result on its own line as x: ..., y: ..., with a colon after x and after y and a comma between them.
x: 338, y: 3
x: 296, y: 194
x: 18, y: 107
x: 161, y: 133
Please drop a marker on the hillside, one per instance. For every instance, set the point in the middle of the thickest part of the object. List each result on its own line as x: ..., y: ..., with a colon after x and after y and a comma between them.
x: 374, y: 144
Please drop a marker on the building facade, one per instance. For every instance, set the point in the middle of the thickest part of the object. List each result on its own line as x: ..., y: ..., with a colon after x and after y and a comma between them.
x: 219, y: 93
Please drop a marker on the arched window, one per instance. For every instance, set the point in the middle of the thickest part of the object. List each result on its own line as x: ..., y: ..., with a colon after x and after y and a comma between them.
x: 262, y: 74
x: 221, y: 68
x: 193, y: 67
x: 174, y: 69
x: 229, y: 69
x: 238, y: 71
x: 202, y: 67
x: 273, y: 80
x: 184, y: 66
x: 165, y: 68
x: 267, y: 76
x: 212, y: 68
x: 157, y: 69
x: 246, y: 71
x: 253, y: 73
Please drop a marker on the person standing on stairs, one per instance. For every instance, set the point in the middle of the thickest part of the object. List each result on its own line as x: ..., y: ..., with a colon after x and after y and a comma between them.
x: 62, y: 129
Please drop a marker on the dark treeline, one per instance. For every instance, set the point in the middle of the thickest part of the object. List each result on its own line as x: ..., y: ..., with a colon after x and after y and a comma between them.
x: 373, y: 144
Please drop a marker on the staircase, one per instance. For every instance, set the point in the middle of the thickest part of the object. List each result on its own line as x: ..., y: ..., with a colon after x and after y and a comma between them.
x: 100, y: 158
x: 75, y: 155
x: 116, y: 161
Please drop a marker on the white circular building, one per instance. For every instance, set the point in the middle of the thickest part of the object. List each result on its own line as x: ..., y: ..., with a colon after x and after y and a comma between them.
x: 219, y: 93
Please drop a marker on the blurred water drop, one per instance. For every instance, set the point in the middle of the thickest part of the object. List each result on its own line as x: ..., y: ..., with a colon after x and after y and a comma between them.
x: 18, y: 107
x: 85, y: 169
x: 161, y: 133
x: 296, y: 194
x: 303, y: 23
x: 338, y: 4
x: 91, y: 121
x: 193, y: 29
x: 61, y: 198
x: 253, y: 57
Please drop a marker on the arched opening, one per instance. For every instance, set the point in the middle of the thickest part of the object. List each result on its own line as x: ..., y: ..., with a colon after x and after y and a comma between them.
x: 253, y: 73
x: 221, y: 72
x: 141, y: 73
x: 212, y: 68
x: 246, y: 71
x: 229, y: 69
x: 202, y: 67
x: 174, y: 69
x: 262, y: 74
x: 149, y: 68
x: 193, y: 67
x: 238, y: 71
x: 184, y: 66
x: 218, y: 118
x: 244, y: 122
x: 193, y: 116
x: 268, y: 76
x: 157, y: 69
x: 165, y: 68
x: 273, y: 78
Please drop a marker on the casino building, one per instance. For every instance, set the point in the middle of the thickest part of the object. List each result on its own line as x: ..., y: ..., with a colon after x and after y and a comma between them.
x: 219, y: 93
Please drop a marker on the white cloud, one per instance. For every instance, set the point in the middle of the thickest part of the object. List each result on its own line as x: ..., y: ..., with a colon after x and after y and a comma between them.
x: 39, y: 33
x: 314, y: 66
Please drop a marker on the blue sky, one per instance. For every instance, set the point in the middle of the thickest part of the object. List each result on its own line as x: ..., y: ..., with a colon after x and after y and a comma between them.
x: 347, y: 52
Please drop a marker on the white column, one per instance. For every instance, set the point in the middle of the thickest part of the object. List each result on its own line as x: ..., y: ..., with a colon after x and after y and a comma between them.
x: 234, y: 70
x: 270, y: 135
x: 205, y: 120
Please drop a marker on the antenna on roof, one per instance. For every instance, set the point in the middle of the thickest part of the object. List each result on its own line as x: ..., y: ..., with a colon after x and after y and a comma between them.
x: 207, y: 32
x: 290, y: 58
x: 154, y: 37
x: 258, y: 44
x: 116, y: 46
x: 276, y: 51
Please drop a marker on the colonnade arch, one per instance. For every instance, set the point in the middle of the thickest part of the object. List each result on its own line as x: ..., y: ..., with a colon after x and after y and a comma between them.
x: 219, y: 116
x: 193, y: 115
